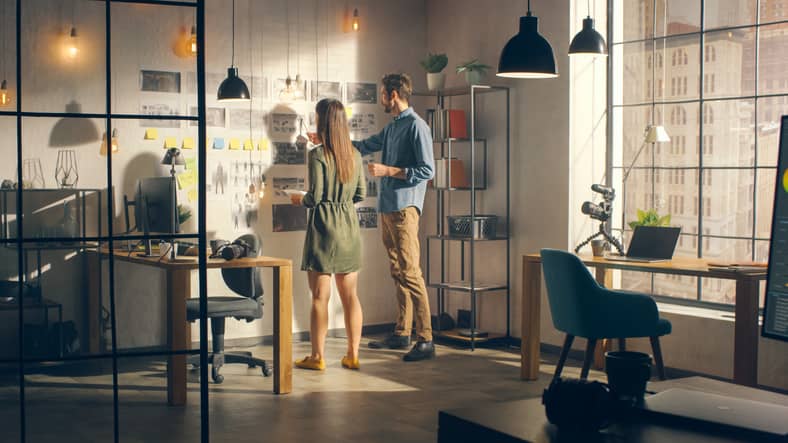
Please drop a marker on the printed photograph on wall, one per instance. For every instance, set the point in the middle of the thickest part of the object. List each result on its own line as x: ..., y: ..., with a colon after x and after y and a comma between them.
x: 159, y: 109
x: 214, y: 117
x: 362, y: 93
x: 289, y: 153
x: 212, y: 81
x: 281, y: 84
x: 160, y: 81
x: 289, y: 183
x: 283, y: 126
x: 363, y: 124
x: 240, y: 118
x: 288, y: 218
x: 321, y: 90
x: 367, y: 217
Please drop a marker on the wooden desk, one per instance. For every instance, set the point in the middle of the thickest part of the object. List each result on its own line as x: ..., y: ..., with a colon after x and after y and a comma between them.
x: 746, y: 331
x: 179, y: 330
x: 524, y: 420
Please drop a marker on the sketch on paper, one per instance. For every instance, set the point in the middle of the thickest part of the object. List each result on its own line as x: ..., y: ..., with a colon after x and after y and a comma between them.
x: 289, y: 153
x: 320, y: 90
x: 284, y: 126
x: 367, y: 217
x: 214, y: 117
x: 159, y: 109
x: 363, y: 123
x: 281, y: 84
x: 244, y: 211
x: 290, y: 183
x: 243, y: 119
x: 362, y: 93
x: 243, y: 172
x: 160, y: 81
x: 219, y: 179
x: 288, y: 218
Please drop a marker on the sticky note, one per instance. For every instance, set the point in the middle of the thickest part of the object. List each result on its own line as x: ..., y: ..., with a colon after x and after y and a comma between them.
x: 263, y: 144
x: 235, y: 144
x: 191, y: 164
x: 218, y: 143
x: 151, y: 134
x: 188, y: 143
x: 248, y: 145
x: 349, y: 111
x: 186, y: 179
x: 170, y: 142
x: 192, y: 195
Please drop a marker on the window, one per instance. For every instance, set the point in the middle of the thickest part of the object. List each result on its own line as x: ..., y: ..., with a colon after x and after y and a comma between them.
x: 728, y: 132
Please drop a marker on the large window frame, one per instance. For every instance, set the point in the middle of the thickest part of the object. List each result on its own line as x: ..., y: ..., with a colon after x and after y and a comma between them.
x: 657, y: 100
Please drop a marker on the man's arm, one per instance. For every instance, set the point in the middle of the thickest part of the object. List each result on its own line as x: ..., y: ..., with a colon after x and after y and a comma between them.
x: 424, y: 169
x: 371, y: 144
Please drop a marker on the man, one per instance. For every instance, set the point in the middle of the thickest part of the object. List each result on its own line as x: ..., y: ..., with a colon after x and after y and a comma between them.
x: 407, y: 164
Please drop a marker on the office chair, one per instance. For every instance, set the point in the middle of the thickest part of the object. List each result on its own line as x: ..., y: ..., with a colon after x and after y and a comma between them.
x: 247, y: 306
x: 581, y: 307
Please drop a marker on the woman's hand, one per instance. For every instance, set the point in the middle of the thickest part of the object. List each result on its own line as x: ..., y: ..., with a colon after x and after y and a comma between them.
x: 296, y: 199
x: 313, y: 138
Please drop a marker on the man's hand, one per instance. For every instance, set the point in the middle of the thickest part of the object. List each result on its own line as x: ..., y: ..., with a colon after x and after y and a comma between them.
x: 381, y: 170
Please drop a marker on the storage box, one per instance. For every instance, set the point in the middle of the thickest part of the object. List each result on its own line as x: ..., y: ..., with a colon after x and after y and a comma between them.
x: 481, y: 227
x: 450, y: 173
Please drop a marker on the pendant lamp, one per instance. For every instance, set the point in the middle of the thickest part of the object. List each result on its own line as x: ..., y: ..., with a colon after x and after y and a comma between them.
x: 588, y: 41
x: 233, y: 88
x: 527, y: 54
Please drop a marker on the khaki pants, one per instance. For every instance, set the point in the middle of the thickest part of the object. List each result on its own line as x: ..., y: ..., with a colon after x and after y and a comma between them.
x: 401, y: 237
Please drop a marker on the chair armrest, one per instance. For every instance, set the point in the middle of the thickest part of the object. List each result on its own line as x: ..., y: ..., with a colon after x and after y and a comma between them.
x: 628, y: 314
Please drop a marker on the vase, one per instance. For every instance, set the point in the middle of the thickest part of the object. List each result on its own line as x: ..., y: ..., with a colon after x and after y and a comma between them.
x: 473, y: 77
x: 436, y: 80
x: 66, y: 173
x: 32, y: 174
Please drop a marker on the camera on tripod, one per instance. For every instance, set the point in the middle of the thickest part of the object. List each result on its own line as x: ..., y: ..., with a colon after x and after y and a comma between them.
x: 231, y: 251
x: 603, y: 210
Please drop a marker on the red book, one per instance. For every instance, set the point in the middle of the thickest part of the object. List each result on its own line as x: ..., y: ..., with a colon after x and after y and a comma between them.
x: 457, y: 126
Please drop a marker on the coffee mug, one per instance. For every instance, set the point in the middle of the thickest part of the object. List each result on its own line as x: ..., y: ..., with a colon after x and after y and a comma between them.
x: 598, y: 247
x: 627, y: 374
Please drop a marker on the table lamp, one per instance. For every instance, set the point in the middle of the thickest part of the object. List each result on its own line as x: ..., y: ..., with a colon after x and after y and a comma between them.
x: 173, y: 158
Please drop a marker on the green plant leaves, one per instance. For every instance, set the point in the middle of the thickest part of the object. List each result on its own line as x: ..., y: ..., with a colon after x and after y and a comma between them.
x: 650, y: 218
x: 434, y: 63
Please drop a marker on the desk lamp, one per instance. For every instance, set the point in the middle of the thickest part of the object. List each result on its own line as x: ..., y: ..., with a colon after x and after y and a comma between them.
x: 173, y: 158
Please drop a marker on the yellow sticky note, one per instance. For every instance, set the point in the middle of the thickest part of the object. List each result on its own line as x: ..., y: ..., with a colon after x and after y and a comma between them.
x: 188, y: 143
x: 191, y: 164
x: 235, y: 144
x: 263, y: 144
x: 248, y: 145
x: 186, y: 179
x: 170, y: 142
x: 151, y: 134
x: 192, y: 195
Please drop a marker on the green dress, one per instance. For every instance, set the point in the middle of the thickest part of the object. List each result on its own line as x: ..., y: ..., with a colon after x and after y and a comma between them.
x: 333, y: 237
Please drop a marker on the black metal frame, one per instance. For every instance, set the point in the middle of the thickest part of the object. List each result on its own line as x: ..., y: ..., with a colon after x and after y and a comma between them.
x: 701, y: 168
x: 21, y: 241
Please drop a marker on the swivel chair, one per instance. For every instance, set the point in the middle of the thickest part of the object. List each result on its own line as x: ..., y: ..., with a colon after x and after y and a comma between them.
x: 248, y: 305
x: 581, y: 307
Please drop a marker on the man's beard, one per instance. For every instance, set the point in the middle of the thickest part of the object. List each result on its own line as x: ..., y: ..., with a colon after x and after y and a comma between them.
x: 388, y: 108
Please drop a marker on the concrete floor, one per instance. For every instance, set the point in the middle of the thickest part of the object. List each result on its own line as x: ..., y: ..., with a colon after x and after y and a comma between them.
x: 387, y: 401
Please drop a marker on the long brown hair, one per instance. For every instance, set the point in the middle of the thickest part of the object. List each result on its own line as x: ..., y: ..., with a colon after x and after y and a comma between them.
x: 332, y: 128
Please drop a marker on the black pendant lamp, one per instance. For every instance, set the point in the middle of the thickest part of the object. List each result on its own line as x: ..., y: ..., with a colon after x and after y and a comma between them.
x: 588, y: 41
x: 527, y: 54
x: 233, y: 88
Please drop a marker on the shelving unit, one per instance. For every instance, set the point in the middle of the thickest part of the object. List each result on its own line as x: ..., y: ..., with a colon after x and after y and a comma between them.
x: 469, y: 283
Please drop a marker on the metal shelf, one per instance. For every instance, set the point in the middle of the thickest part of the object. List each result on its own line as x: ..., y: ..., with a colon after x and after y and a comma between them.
x: 465, y: 286
x: 461, y: 90
x: 454, y: 238
x: 458, y: 140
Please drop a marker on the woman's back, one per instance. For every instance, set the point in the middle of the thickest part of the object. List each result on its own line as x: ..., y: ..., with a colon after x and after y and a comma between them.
x: 332, y: 189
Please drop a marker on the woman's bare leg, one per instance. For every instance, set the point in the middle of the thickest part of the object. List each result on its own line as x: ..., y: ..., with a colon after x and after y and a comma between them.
x: 347, y: 286
x: 320, y: 285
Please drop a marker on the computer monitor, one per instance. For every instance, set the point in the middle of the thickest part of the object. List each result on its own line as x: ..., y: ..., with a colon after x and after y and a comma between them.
x: 775, y: 307
x: 156, y: 205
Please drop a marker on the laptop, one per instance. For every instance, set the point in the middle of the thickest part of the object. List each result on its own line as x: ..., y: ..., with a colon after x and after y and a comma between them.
x: 650, y: 244
x: 759, y: 421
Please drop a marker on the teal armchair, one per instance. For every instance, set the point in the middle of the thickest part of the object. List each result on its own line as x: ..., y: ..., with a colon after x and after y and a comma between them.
x: 580, y: 307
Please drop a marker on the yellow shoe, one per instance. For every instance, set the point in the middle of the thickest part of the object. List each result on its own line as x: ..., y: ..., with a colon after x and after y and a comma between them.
x: 310, y: 363
x: 347, y: 363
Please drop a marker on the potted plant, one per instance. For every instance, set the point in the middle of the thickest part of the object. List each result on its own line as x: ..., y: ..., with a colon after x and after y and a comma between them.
x: 434, y: 64
x: 474, y: 71
x: 650, y: 218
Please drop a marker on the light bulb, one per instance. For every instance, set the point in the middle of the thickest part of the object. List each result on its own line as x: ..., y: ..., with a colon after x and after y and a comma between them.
x: 252, y: 189
x: 115, y: 144
x: 355, y: 22
x: 72, y: 47
x: 5, y: 96
x: 286, y: 93
x: 193, y: 40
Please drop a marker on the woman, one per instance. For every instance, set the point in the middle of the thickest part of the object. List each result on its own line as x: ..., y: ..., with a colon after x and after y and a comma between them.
x: 333, y: 239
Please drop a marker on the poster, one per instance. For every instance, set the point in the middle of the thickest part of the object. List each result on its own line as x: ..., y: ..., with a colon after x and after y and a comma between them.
x: 245, y: 119
x: 363, y: 124
x: 366, y: 93
x: 289, y: 153
x: 290, y: 183
x: 320, y: 90
x: 367, y: 217
x: 159, y: 109
x: 283, y: 126
x: 160, y: 81
x: 287, y: 217
x: 214, y: 117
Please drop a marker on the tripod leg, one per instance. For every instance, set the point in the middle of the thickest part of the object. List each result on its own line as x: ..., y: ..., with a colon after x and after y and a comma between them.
x: 588, y: 240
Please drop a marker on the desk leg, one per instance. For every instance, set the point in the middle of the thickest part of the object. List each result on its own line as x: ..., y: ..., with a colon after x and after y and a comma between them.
x: 94, y: 302
x: 283, y: 329
x: 531, y: 304
x: 745, y: 349
x: 604, y: 277
x: 178, y: 331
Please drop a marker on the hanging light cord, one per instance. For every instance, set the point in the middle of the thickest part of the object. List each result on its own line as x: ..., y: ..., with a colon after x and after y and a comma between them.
x: 529, y: 7
x: 232, y: 51
x: 287, y: 12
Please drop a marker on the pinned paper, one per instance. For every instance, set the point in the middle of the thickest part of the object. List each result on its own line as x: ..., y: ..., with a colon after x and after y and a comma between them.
x: 192, y: 195
x: 170, y: 142
x: 248, y: 145
x: 218, y: 143
x: 188, y: 143
x: 349, y: 111
x: 263, y: 144
x: 191, y: 164
x: 151, y: 134
x: 187, y: 179
x: 235, y: 144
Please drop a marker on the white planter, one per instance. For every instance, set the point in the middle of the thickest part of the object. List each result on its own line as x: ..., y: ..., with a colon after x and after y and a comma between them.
x: 436, y: 81
x: 473, y: 77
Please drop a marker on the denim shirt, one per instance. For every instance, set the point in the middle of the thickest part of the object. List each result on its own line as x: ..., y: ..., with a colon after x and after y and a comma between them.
x: 406, y: 143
